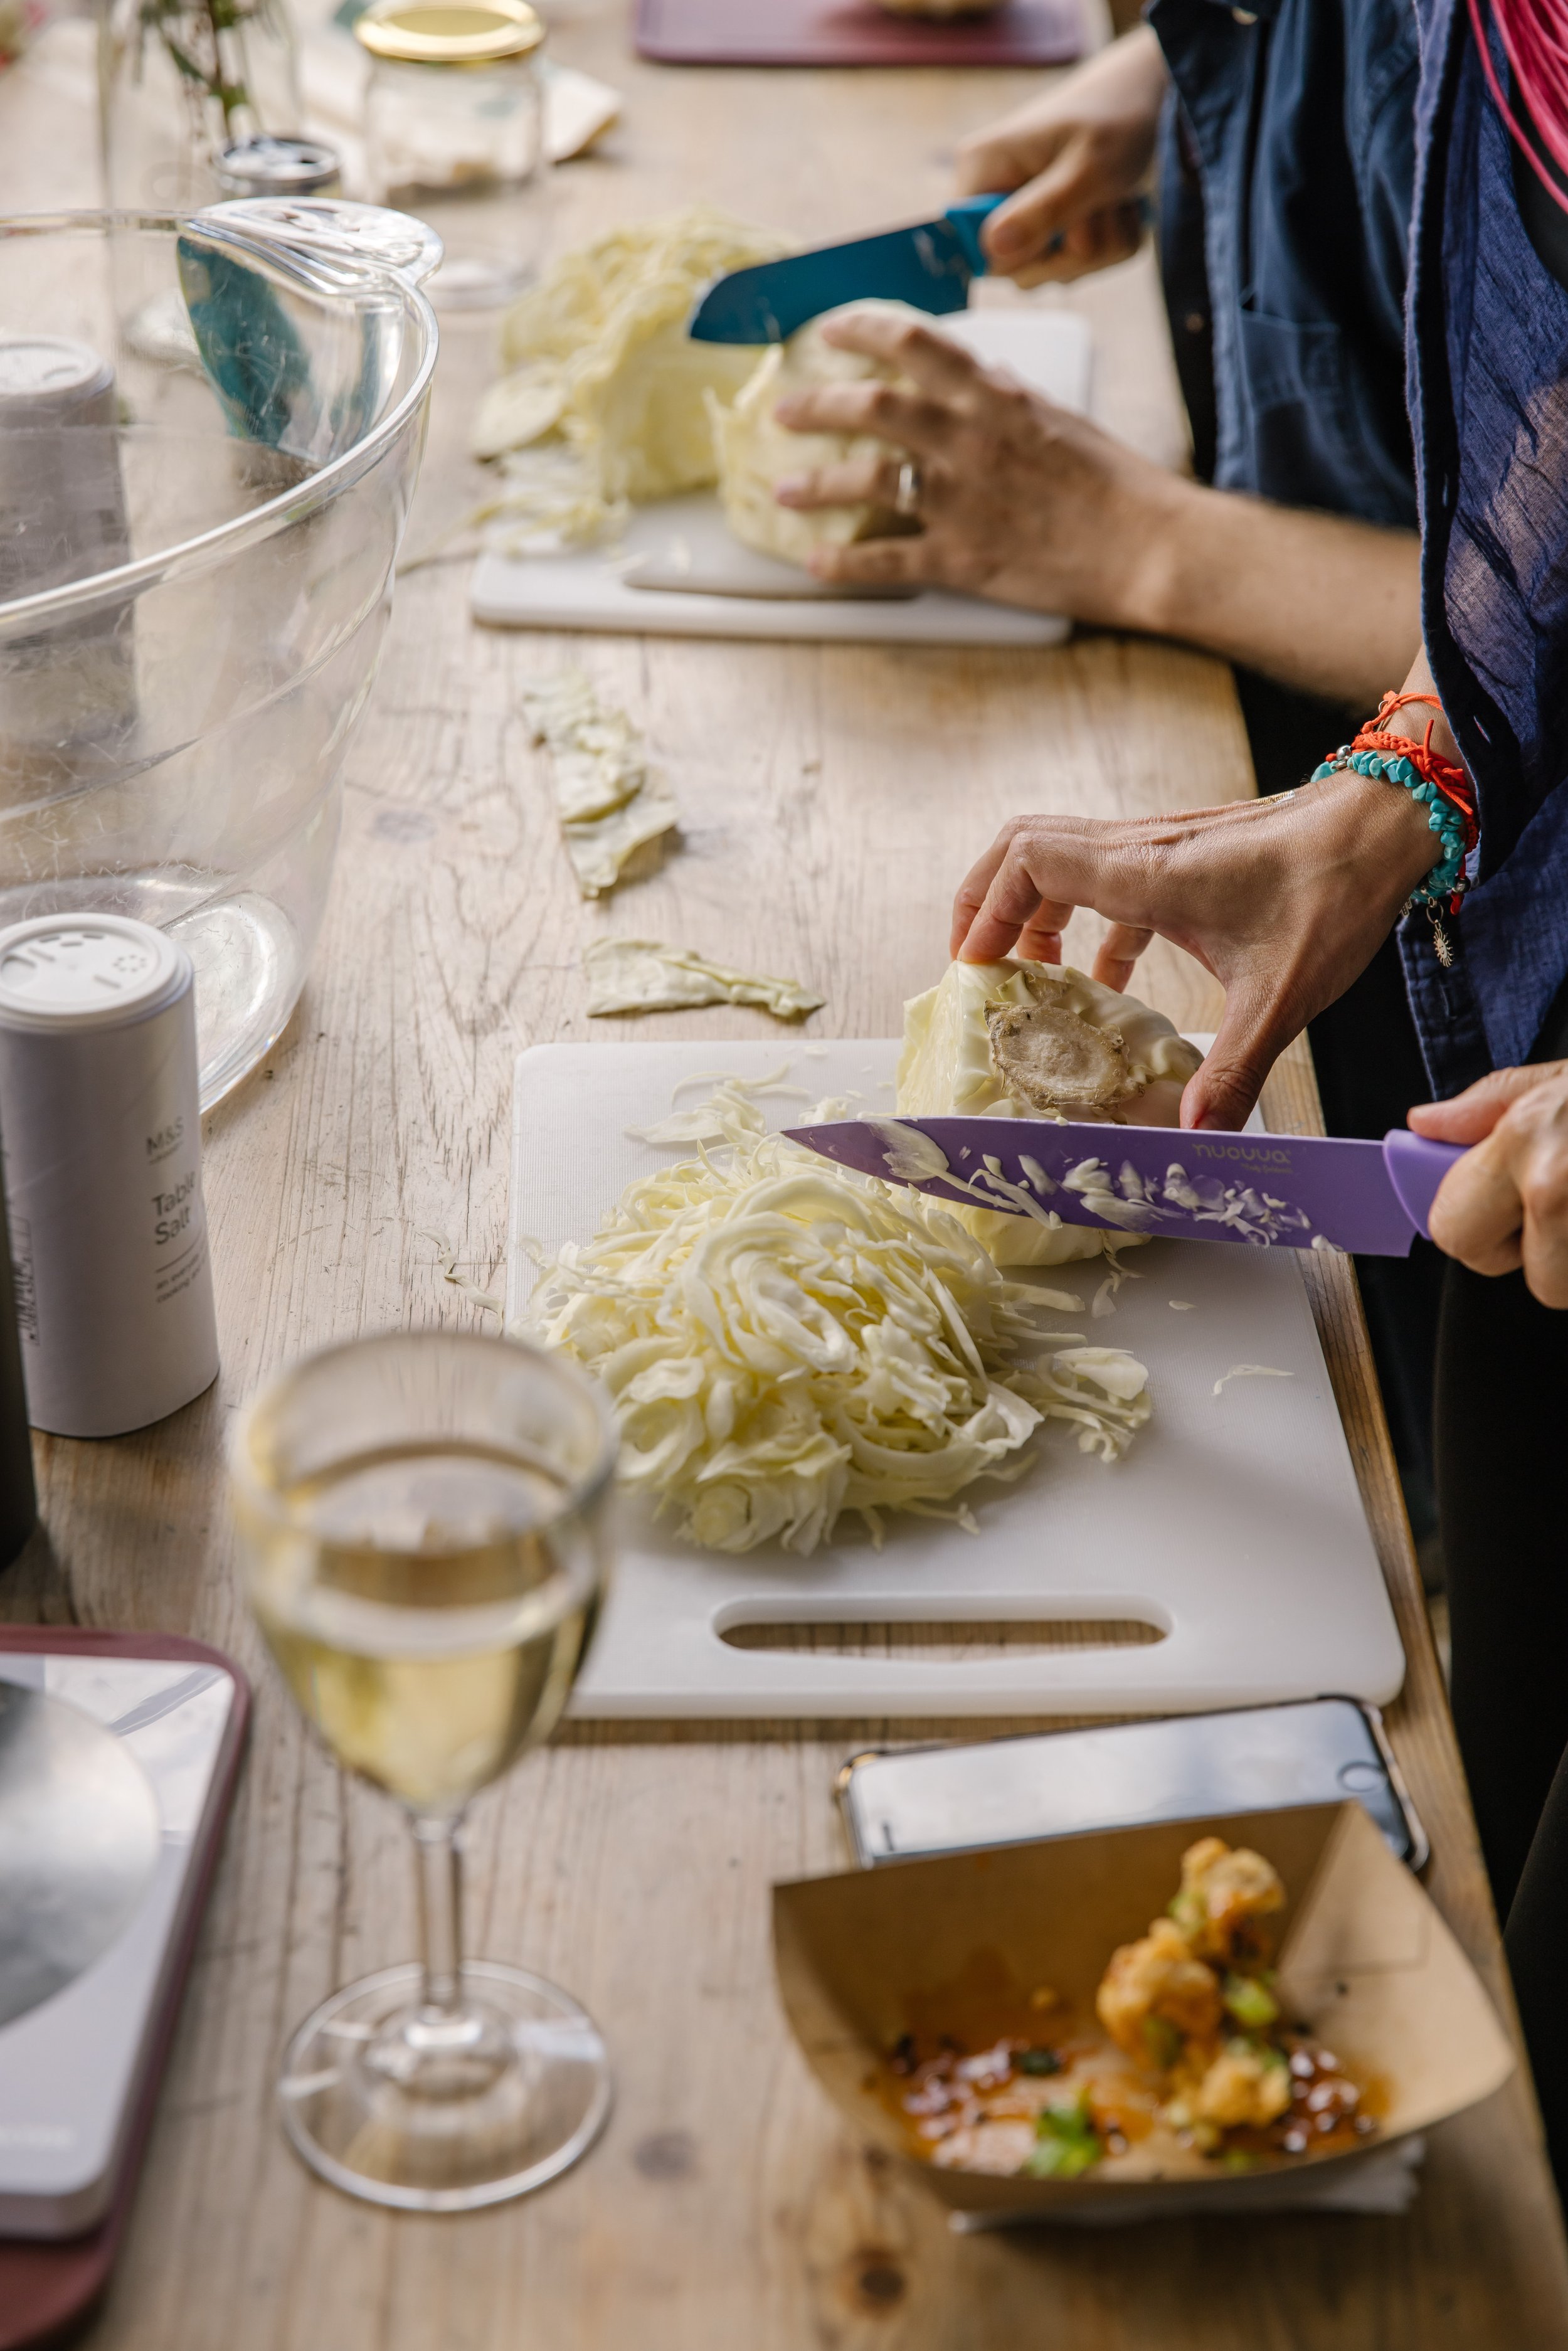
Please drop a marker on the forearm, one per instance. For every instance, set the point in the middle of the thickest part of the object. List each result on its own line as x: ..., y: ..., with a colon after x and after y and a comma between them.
x: 1412, y: 720
x: 1318, y: 601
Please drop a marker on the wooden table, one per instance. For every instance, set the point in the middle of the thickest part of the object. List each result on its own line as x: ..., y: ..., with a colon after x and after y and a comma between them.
x: 831, y: 798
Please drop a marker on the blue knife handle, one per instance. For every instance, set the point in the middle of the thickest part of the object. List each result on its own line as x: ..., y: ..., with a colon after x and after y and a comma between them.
x: 969, y: 215
x: 1416, y: 1169
x: 966, y: 219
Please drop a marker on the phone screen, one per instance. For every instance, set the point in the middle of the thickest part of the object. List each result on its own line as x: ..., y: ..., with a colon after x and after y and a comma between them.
x: 1063, y: 1782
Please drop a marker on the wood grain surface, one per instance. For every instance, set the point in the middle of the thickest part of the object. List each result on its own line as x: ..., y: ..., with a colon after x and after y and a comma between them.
x: 831, y: 798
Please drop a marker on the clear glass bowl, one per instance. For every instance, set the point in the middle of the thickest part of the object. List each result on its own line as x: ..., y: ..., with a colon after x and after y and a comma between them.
x: 195, y: 570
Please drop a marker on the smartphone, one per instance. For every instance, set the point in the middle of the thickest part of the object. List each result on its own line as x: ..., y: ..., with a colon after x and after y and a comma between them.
x: 928, y: 1800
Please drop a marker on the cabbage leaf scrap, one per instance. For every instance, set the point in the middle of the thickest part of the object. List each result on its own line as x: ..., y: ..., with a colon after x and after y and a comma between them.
x: 645, y: 976
x: 609, y: 802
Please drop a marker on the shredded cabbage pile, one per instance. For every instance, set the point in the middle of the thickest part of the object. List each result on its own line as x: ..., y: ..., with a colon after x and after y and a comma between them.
x: 606, y: 401
x: 783, y: 1342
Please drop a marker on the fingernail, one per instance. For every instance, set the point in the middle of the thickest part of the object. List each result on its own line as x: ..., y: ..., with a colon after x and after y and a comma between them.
x: 792, y: 486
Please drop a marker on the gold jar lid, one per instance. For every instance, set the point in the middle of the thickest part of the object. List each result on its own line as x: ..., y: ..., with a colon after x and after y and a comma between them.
x: 449, y: 32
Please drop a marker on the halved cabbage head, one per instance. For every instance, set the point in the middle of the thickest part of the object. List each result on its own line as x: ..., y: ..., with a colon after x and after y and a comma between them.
x: 601, y: 359
x: 1038, y: 1040
x: 755, y: 451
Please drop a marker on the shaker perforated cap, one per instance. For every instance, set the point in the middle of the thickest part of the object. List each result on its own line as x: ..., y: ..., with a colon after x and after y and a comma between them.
x: 52, y: 379
x: 88, y: 971
x: 278, y: 167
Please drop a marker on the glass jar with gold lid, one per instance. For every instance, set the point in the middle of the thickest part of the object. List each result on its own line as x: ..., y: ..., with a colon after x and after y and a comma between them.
x: 455, y: 134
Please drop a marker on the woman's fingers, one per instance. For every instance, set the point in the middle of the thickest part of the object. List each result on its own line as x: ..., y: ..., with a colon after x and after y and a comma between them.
x: 1477, y: 1214
x: 884, y: 411
x: 1506, y: 1202
x: 860, y: 482
x: 970, y: 894
x: 933, y: 361
x: 1034, y: 886
x: 1095, y: 242
x: 1039, y: 941
x: 1471, y: 1116
x: 874, y: 563
x: 1544, y: 1257
x: 1117, y: 959
x: 1252, y: 1035
x: 1026, y: 229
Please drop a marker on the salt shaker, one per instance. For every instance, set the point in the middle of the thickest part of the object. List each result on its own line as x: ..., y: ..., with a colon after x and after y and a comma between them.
x: 64, y: 504
x: 19, y: 1503
x: 103, y: 1168
x: 278, y: 167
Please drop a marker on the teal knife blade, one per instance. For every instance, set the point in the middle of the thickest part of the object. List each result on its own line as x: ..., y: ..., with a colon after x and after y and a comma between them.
x: 930, y: 267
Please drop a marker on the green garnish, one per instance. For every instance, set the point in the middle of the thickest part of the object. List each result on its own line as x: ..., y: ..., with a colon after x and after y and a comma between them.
x: 1162, y: 2040
x: 1251, y: 2003
x: 1188, y: 1912
x: 1038, y: 2061
x: 1068, y: 2142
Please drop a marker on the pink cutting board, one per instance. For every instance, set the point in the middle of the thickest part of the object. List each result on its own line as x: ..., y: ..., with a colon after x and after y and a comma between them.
x: 842, y: 32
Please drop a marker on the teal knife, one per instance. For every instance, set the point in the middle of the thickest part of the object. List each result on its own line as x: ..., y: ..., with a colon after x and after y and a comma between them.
x: 930, y: 267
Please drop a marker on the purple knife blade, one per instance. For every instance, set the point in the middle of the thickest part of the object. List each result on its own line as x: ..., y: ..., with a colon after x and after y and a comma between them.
x: 1263, y: 1191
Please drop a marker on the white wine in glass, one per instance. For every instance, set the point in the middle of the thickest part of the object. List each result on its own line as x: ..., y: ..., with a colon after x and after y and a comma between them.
x: 423, y: 1517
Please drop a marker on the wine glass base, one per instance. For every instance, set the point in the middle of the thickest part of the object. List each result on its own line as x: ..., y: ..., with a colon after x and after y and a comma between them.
x: 456, y: 2138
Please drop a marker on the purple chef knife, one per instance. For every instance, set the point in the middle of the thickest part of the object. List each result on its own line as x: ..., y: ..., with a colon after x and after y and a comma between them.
x: 1289, y: 1191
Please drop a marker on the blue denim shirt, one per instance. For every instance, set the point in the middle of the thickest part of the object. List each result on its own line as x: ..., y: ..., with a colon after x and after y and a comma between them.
x: 1488, y: 402
x: 1296, y: 119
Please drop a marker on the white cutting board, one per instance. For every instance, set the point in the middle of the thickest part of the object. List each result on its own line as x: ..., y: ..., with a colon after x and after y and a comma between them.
x: 1233, y: 1524
x: 732, y: 591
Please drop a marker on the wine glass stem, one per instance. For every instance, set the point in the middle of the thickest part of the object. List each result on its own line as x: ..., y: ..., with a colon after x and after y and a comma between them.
x: 440, y: 1912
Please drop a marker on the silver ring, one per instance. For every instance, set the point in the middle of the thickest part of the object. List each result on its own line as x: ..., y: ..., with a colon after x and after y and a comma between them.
x: 907, y: 501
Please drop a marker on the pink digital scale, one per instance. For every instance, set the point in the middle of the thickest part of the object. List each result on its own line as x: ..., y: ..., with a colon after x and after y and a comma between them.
x: 855, y: 33
x: 118, y: 1760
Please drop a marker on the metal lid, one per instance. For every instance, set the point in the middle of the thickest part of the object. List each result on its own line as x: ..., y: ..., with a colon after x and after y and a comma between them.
x: 43, y: 378
x: 449, y: 32
x: 278, y: 167
x: 87, y: 971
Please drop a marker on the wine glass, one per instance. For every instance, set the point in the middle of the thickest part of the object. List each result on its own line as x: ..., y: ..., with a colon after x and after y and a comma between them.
x: 423, y: 1517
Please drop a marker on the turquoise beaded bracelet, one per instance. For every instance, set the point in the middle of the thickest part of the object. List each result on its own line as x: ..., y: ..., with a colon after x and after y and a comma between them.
x: 1447, y: 875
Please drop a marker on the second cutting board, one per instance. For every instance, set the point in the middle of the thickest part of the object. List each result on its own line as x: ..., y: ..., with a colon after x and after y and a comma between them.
x: 700, y: 581
x: 1232, y: 1532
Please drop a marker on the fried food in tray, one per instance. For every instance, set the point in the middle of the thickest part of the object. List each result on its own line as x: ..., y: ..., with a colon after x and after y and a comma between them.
x: 1187, y: 2050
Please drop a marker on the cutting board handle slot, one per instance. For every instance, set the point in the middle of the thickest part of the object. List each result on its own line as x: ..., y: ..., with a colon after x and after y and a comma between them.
x: 980, y: 1642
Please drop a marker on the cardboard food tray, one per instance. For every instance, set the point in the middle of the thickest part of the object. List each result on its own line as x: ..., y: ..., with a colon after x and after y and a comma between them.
x: 855, y: 33
x: 1365, y: 1960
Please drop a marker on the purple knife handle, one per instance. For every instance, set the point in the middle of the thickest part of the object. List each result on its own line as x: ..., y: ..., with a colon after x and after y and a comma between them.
x: 1416, y: 1169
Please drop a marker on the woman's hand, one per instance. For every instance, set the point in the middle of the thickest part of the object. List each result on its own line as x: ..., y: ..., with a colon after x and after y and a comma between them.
x: 1505, y: 1203
x: 1019, y: 500
x: 1028, y: 505
x: 1285, y: 901
x: 1077, y: 157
